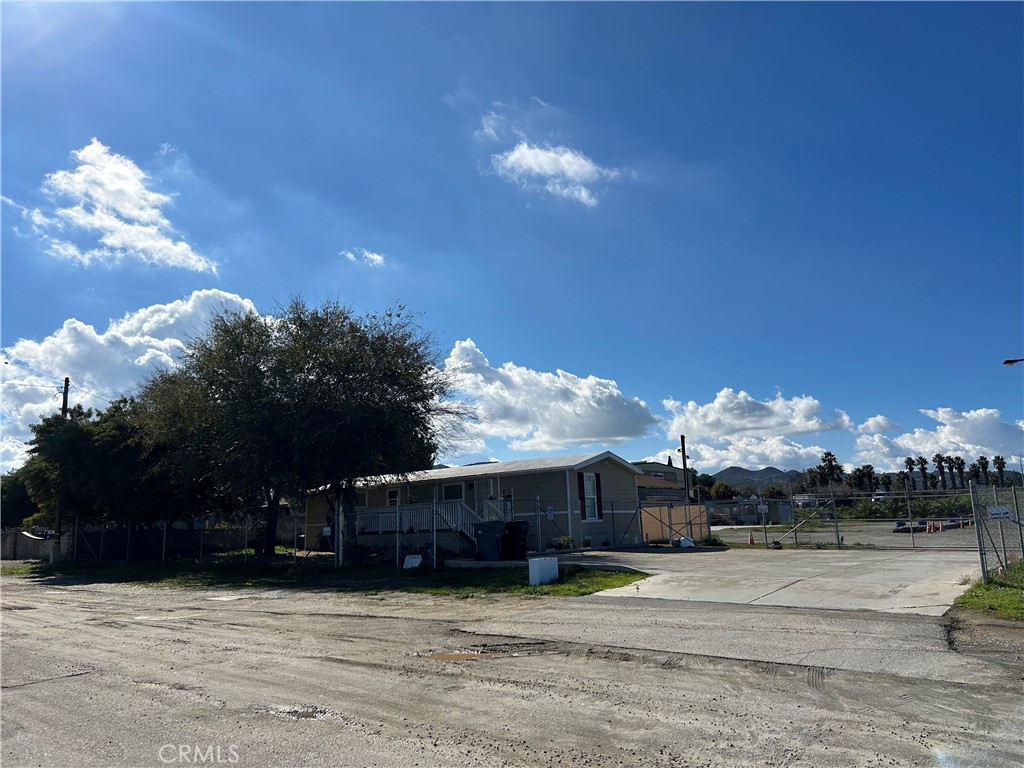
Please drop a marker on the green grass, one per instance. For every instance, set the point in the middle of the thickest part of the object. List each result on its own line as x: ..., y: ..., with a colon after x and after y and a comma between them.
x: 1002, y: 596
x: 281, y: 573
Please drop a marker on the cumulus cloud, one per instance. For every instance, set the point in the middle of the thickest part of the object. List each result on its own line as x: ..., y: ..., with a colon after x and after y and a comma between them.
x: 737, y: 414
x: 537, y: 410
x: 102, y: 364
x: 363, y: 256
x: 877, y: 425
x: 968, y: 434
x: 106, y: 211
x: 560, y: 171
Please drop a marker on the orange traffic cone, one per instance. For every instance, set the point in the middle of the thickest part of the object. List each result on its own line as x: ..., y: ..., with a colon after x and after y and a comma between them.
x: 750, y: 539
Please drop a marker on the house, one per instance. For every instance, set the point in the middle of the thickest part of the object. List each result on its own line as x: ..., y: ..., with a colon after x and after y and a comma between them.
x: 589, y: 499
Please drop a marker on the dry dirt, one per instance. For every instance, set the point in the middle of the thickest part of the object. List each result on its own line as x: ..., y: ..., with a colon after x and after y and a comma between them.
x: 115, y: 675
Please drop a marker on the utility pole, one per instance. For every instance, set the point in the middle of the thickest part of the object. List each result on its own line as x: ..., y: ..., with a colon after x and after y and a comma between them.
x: 57, y: 523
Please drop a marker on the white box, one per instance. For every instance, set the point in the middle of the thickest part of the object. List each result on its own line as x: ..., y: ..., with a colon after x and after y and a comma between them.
x: 543, y: 570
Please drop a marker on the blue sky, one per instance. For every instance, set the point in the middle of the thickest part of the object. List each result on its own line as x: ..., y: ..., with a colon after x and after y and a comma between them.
x: 777, y: 228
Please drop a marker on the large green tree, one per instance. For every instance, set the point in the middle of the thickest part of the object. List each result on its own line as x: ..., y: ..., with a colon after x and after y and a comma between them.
x: 264, y: 408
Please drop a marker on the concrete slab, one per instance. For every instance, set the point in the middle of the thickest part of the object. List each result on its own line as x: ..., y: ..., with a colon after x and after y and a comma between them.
x: 900, y: 581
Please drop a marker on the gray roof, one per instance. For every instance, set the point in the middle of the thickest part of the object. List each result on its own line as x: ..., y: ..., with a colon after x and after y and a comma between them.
x: 573, y: 462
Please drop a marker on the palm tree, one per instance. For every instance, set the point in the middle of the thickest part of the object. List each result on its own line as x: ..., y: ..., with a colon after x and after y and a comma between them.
x: 904, y: 479
x: 959, y: 464
x: 909, y: 464
x: 974, y: 472
x: 922, y: 464
x: 983, y: 466
x: 1000, y: 464
x: 940, y: 465
x: 830, y: 468
x: 869, y: 477
x: 950, y: 465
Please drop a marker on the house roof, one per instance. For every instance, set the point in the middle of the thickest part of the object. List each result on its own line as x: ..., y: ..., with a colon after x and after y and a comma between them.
x: 574, y: 462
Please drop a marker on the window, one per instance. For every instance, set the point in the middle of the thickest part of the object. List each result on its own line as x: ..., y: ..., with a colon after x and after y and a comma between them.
x: 451, y: 492
x: 392, y: 497
x: 590, y: 495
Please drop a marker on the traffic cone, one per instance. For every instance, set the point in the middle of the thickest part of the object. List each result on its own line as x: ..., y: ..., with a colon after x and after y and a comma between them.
x: 750, y: 539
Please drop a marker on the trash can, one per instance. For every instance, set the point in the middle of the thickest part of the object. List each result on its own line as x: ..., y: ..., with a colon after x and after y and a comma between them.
x: 513, y: 542
x: 488, y: 540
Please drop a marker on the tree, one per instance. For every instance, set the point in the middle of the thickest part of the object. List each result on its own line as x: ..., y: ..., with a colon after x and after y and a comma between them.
x: 922, y: 464
x: 959, y: 464
x: 369, y: 395
x: 269, y: 408
x: 773, y: 492
x: 15, y: 501
x: 868, y: 473
x: 940, y: 466
x: 830, y: 469
x: 909, y: 464
x: 999, y: 462
x: 722, y: 491
x: 983, y: 468
x: 58, y: 469
x: 951, y: 466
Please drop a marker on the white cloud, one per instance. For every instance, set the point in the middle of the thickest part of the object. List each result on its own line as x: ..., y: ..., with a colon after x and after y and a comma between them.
x: 968, y: 434
x: 736, y: 414
x: 113, y: 208
x: 363, y: 256
x: 560, y: 171
x: 536, y: 410
x: 876, y: 425
x: 102, y: 365
x: 491, y: 125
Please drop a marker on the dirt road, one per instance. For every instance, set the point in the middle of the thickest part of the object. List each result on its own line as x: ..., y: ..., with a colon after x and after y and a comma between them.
x: 112, y: 675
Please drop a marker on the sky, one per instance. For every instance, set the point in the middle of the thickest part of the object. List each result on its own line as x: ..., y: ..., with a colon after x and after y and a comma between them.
x: 778, y: 229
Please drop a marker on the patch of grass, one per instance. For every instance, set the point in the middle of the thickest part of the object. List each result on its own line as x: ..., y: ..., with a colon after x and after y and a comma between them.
x: 18, y: 568
x: 1002, y: 596
x: 281, y: 573
x: 573, y: 581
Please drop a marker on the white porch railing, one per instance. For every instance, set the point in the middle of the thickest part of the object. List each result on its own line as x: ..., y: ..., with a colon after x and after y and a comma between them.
x: 496, y: 510
x: 415, y: 518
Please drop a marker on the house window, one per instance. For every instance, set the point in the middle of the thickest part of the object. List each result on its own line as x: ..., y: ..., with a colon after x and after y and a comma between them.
x: 451, y: 492
x: 360, y: 499
x: 392, y: 497
x: 590, y: 495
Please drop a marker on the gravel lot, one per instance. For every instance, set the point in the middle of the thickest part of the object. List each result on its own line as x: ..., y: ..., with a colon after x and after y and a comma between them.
x: 115, y: 675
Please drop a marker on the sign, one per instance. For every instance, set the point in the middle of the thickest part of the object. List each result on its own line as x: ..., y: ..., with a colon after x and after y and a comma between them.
x: 762, y: 509
x: 998, y: 513
x: 327, y: 530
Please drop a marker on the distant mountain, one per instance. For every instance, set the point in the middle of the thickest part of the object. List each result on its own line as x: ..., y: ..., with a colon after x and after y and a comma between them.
x: 737, y: 477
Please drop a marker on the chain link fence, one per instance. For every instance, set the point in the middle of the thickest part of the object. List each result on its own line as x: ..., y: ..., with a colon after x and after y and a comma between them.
x: 1000, y: 535
x: 926, y: 520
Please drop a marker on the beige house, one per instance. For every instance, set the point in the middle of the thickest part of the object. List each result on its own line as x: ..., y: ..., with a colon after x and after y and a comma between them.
x: 589, y: 499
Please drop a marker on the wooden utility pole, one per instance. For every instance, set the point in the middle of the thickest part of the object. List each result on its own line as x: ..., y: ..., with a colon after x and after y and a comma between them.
x: 55, y: 553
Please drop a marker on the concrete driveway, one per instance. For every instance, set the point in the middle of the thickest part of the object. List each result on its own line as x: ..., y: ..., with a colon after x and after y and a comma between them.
x: 894, y: 581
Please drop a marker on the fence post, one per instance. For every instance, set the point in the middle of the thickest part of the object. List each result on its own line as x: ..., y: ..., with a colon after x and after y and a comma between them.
x: 433, y: 530
x: 910, y: 521
x: 74, y: 542
x: 1016, y: 514
x: 977, y: 531
x: 1002, y: 539
x: 163, y: 554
